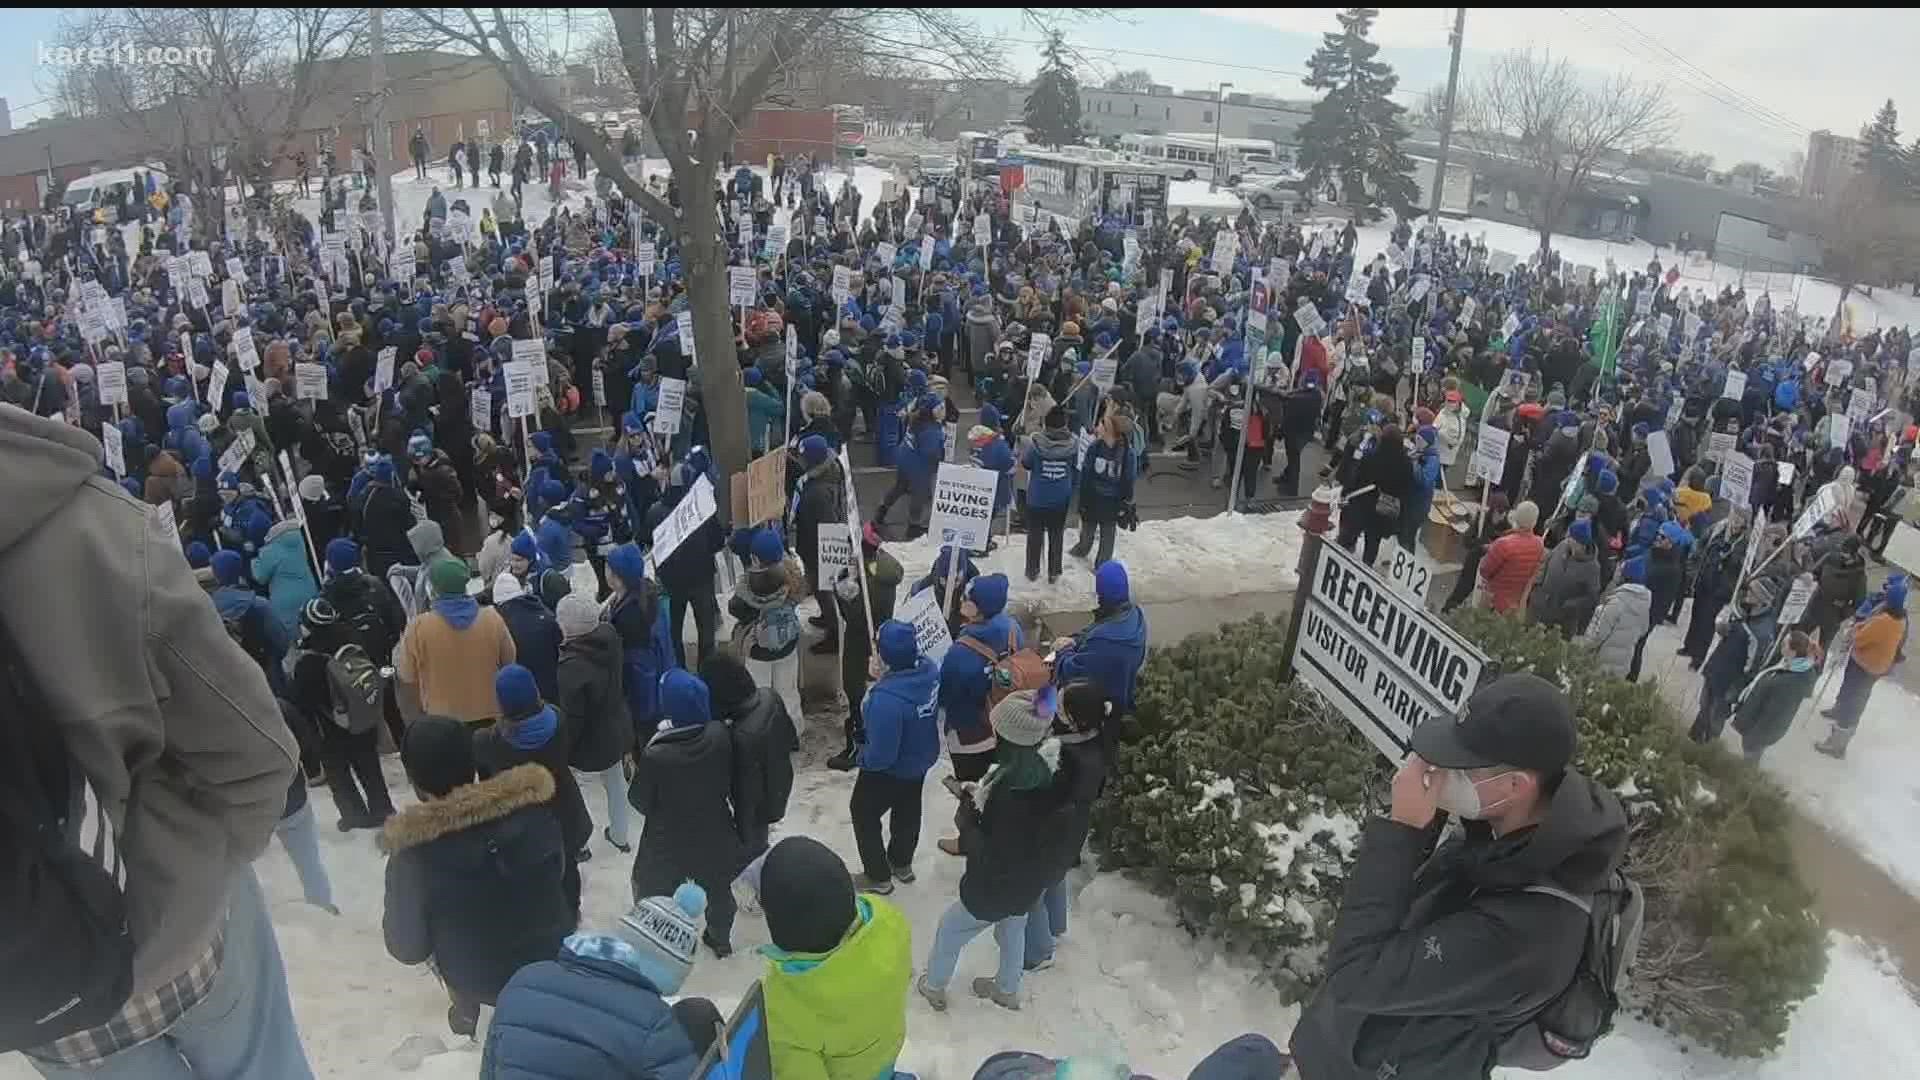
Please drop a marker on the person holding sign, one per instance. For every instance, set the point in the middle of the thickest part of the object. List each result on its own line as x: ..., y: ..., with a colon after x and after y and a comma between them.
x: 1879, y: 642
x: 1431, y: 944
x: 901, y: 743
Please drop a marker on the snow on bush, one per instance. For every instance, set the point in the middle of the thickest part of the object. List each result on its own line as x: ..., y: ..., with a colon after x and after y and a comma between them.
x: 1241, y: 797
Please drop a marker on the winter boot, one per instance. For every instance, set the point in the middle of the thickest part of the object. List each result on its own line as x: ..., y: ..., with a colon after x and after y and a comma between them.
x: 985, y: 987
x: 935, y: 998
x: 876, y: 886
x: 1835, y: 744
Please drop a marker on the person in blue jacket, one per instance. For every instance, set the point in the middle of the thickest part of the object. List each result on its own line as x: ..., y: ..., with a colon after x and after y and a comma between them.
x: 602, y: 1001
x: 1647, y: 526
x: 1106, y: 485
x: 902, y: 742
x: 282, y: 569
x: 1052, y: 475
x: 916, y: 464
x: 965, y: 676
x: 1110, y: 651
x: 634, y: 610
x: 249, y: 620
x: 1426, y: 478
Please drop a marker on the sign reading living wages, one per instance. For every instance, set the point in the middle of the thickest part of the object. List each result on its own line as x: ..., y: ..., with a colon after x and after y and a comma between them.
x: 1380, y: 658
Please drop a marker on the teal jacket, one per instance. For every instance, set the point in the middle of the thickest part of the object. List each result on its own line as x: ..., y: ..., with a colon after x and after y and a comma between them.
x: 282, y: 568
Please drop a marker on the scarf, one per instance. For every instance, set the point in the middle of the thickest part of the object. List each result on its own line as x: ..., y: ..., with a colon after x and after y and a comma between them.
x: 1020, y: 768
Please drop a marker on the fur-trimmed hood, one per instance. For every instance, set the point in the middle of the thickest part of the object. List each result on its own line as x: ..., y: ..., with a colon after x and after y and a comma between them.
x: 464, y: 807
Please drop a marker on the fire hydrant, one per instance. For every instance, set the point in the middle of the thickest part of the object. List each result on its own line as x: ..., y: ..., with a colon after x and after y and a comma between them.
x: 1317, y: 522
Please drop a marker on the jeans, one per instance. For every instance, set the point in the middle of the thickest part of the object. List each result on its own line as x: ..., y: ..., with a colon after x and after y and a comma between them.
x: 242, y: 1030
x: 1046, y: 921
x: 957, y: 927
x: 782, y: 676
x: 1046, y: 527
x: 302, y: 844
x: 1856, y: 685
x: 614, y: 781
x: 706, y: 618
x: 877, y: 795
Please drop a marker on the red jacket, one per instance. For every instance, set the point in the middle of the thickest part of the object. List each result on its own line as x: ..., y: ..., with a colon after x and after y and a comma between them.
x: 1508, y: 568
x: 1313, y: 357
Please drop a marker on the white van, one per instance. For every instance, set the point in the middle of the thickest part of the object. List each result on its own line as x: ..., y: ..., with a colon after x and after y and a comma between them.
x: 100, y: 195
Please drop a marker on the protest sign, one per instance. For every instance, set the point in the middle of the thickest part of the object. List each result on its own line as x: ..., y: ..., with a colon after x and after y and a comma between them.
x: 1736, y: 479
x: 686, y: 518
x: 310, y: 382
x: 480, y: 409
x: 1736, y: 385
x: 236, y: 269
x: 644, y: 257
x: 741, y: 285
x: 1037, y: 349
x: 1490, y: 454
x: 926, y: 253
x: 963, y: 506
x: 885, y: 252
x: 1798, y: 597
x: 833, y: 555
x: 684, y: 322
x: 1719, y: 445
x: 1660, y: 454
x: 930, y: 634
x: 1859, y: 405
x: 110, y: 441
x: 383, y: 368
x: 520, y: 388
x: 766, y: 486
x: 217, y: 381
x: 671, y: 407
x: 111, y: 377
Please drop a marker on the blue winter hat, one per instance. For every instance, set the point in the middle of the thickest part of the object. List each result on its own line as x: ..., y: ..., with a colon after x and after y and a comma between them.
x: 626, y: 562
x: 684, y: 699
x: 227, y: 566
x: 754, y: 376
x: 342, y: 555
x: 990, y: 415
x: 1676, y: 534
x: 600, y: 464
x: 1582, y: 533
x: 1897, y: 592
x: 814, y: 450
x: 1656, y: 498
x: 989, y: 593
x: 516, y: 692
x: 916, y: 380
x: 1110, y: 584
x: 419, y: 446
x: 899, y: 649
x: 239, y: 400
x: 198, y: 554
x: 1608, y: 482
x: 767, y: 548
x: 132, y: 487
x: 1634, y: 570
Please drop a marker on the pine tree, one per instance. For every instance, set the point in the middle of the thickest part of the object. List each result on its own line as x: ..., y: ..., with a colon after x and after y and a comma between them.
x: 1882, y: 160
x: 1354, y: 133
x: 1053, y: 108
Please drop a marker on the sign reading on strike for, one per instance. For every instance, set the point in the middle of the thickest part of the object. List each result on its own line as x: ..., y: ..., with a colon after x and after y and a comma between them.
x: 740, y: 286
x: 926, y: 253
x: 1839, y: 430
x: 1736, y: 479
x: 835, y: 555
x: 696, y: 508
x: 532, y: 353
x: 1104, y: 371
x: 237, y: 452
x: 1489, y: 454
x: 310, y: 382
x: 1037, y: 350
x: 236, y: 269
x: 1377, y: 656
x: 1838, y: 372
x: 217, y: 381
x: 670, y: 407
x: 1419, y: 356
x: 1798, y: 597
x: 1309, y: 319
x: 1736, y: 385
x: 1719, y: 445
x: 112, y: 377
x: 519, y: 376
x: 963, y: 506
x: 842, y: 283
x: 930, y: 634
x: 885, y: 252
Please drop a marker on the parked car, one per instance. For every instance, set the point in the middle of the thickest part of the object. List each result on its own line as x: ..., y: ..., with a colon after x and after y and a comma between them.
x: 1269, y: 192
x: 932, y: 168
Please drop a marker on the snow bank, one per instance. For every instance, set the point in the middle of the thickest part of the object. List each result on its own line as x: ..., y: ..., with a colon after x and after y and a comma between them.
x: 1178, y: 559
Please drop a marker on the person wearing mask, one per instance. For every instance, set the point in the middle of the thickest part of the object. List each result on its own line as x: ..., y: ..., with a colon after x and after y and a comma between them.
x: 966, y: 677
x: 593, y: 705
x: 902, y: 743
x: 475, y: 870
x: 1052, y: 477
x: 1879, y: 642
x: 1506, y: 571
x: 170, y: 732
x: 602, y: 1000
x: 536, y: 636
x: 1015, y: 829
x: 836, y: 975
x: 764, y: 742
x: 882, y: 575
x: 767, y: 627
x: 530, y: 730
x: 1766, y: 708
x: 1086, y: 726
x: 1439, y: 951
x: 1570, y: 588
x: 1106, y: 486
x: 1614, y: 634
x: 682, y: 786
x: 1112, y: 648
x: 448, y: 656
x: 633, y: 609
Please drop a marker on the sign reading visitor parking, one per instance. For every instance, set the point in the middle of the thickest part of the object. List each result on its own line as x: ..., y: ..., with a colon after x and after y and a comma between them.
x: 963, y: 505
x: 1378, y: 657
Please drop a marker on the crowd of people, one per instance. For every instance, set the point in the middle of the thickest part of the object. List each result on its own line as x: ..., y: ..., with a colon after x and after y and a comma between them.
x: 328, y: 440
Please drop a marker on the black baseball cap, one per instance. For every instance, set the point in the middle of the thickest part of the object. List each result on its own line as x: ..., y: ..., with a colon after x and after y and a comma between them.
x: 1519, y: 720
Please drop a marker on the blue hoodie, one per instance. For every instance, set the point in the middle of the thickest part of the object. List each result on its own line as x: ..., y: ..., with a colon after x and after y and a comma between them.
x: 1109, y: 652
x: 903, y: 732
x: 998, y: 457
x: 1052, y: 473
x: 920, y: 456
x: 964, y: 681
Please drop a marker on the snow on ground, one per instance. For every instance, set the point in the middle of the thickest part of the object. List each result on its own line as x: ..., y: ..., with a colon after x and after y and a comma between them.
x: 1869, y: 799
x: 1178, y: 559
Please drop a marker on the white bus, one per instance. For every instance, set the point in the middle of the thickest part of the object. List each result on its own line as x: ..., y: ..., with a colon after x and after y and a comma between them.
x: 1076, y: 183
x: 1195, y: 151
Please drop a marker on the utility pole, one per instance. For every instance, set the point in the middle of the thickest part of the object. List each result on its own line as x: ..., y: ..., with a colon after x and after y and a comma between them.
x: 1446, y: 122
x: 1219, y: 112
x: 382, y: 167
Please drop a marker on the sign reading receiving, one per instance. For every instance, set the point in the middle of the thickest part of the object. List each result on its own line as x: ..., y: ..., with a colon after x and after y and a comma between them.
x: 1377, y: 656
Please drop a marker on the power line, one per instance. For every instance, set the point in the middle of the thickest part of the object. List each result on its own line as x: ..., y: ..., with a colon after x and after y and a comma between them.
x: 1777, y: 117
x: 1171, y: 59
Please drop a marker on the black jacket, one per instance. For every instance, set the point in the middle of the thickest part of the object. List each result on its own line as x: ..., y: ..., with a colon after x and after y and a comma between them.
x: 474, y: 881
x: 384, y: 519
x: 365, y: 603
x: 682, y: 787
x: 764, y: 742
x: 1436, y: 957
x: 493, y: 754
x: 822, y: 502
x: 592, y: 699
x: 536, y: 641
x: 1016, y: 846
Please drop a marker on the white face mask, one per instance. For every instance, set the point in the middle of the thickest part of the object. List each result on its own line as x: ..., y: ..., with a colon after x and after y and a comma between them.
x: 1460, y: 795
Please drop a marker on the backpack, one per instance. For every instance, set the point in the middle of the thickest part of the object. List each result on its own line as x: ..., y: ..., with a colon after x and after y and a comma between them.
x: 1009, y: 671
x: 359, y: 691
x: 62, y: 882
x: 1566, y: 1028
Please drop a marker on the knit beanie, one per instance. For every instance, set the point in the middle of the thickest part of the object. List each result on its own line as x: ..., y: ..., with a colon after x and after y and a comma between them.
x: 524, y: 546
x: 1525, y: 516
x: 438, y: 755
x: 664, y: 932
x: 989, y: 594
x: 227, y: 566
x: 1110, y: 584
x: 516, y: 691
x: 576, y: 614
x: 807, y: 896
x: 342, y: 555
x: 626, y: 563
x: 898, y: 648
x: 729, y: 683
x: 768, y: 550
x: 507, y: 587
x: 1024, y: 717
x: 448, y: 577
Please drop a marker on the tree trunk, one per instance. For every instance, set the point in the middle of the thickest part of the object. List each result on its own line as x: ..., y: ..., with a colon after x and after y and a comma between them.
x: 722, y: 394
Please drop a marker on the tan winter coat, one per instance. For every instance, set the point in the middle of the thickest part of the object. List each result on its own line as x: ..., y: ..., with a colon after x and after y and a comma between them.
x: 451, y: 670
